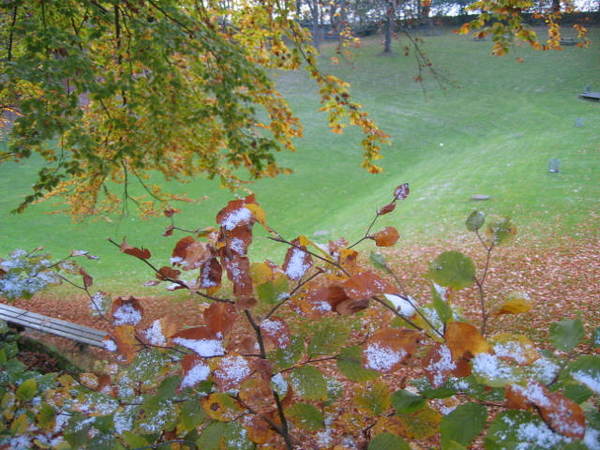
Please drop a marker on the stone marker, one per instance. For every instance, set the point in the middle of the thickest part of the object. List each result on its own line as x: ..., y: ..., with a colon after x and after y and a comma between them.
x: 553, y: 165
x: 579, y: 122
x: 320, y: 233
x: 480, y: 197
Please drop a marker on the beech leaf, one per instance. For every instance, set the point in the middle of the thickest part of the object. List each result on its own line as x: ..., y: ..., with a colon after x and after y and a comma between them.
x: 386, y: 237
x: 452, y: 269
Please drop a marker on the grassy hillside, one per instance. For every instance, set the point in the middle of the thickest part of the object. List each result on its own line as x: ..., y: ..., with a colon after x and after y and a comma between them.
x: 491, y: 132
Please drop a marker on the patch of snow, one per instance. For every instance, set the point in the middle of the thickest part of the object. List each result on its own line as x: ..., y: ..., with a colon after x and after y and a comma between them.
x: 544, y: 370
x: 126, y: 314
x: 440, y: 366
x: 238, y: 246
x: 233, y: 368
x: 592, y: 439
x: 280, y: 385
x: 382, y: 358
x: 109, y: 345
x: 236, y: 217
x: 489, y: 366
x: 195, y: 375
x: 588, y: 379
x: 296, y: 266
x: 203, y: 347
x: 404, y: 306
x: 514, y: 350
x: 154, y: 334
x: 538, y: 434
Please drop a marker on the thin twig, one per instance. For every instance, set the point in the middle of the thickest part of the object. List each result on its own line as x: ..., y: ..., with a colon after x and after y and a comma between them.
x: 328, y: 261
x: 291, y: 294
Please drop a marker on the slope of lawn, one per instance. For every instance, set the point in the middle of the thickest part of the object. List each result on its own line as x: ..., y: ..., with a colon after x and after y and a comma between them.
x: 492, y: 131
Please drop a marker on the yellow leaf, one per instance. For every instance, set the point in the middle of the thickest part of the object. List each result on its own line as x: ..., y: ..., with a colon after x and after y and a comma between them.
x: 516, y: 303
x: 463, y: 339
x: 259, y: 213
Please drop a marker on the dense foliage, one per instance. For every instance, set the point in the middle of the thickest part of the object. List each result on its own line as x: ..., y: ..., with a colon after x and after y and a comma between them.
x: 317, y: 352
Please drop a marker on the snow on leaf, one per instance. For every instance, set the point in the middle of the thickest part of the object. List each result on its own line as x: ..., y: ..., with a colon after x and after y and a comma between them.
x: 190, y: 254
x: 402, y: 305
x: 194, y: 371
x: 238, y: 272
x: 387, y: 349
x: 210, y: 274
x: 297, y: 261
x: 126, y: 311
x: 401, y: 192
x: 201, y: 340
x: 230, y: 371
x: 365, y: 285
x: 277, y: 331
x: 439, y: 365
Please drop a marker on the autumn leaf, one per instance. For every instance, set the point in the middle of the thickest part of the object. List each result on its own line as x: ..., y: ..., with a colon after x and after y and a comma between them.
x: 386, y: 237
x: 195, y: 370
x: 365, y: 285
x: 229, y: 371
x: 167, y: 273
x: 386, y: 209
x: 387, y: 349
x: 464, y: 339
x: 219, y: 318
x: 221, y: 407
x: 516, y: 303
x: 276, y: 331
x: 140, y: 253
x: 87, y: 278
x: 297, y: 260
x: 201, y: 340
x: 211, y: 273
x: 127, y: 344
x: 126, y: 311
x: 401, y: 192
x: 190, y: 254
x: 238, y: 272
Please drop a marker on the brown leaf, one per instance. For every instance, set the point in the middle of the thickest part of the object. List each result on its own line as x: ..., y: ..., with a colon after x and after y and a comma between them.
x: 402, y: 191
x: 195, y: 370
x: 220, y: 318
x: 438, y: 365
x: 256, y: 392
x: 190, y: 254
x: 366, y: 285
x: 297, y: 261
x: 386, y: 237
x: 169, y: 231
x: 464, y: 340
x: 387, y: 349
x: 229, y: 371
x: 276, y: 331
x: 126, y: 311
x: 386, y: 209
x: 140, y: 253
x: 87, y: 278
x: 238, y: 272
x: 235, y: 214
x: 210, y: 274
x: 159, y: 332
x: 351, y: 306
x: 167, y: 273
x: 169, y: 212
x: 238, y: 240
x: 201, y: 340
x: 243, y: 303
x: 259, y: 431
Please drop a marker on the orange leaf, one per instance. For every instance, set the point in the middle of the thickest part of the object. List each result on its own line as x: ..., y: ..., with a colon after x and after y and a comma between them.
x: 386, y: 237
x: 386, y: 350
x: 230, y: 371
x: 439, y: 365
x: 167, y: 273
x: 256, y: 392
x: 195, y: 370
x: 259, y: 431
x: 238, y: 272
x: 464, y: 340
x: 127, y: 344
x: 87, y: 278
x: 236, y: 214
x: 276, y: 331
x: 201, y: 340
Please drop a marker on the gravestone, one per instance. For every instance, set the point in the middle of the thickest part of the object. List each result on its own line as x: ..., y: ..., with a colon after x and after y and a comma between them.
x: 579, y: 122
x: 480, y: 197
x: 554, y: 165
x: 320, y: 233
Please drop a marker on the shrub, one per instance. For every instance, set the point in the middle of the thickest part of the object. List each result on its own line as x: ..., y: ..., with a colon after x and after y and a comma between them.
x: 321, y: 351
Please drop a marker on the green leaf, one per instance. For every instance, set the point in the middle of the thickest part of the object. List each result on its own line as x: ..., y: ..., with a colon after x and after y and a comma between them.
x: 501, y: 231
x: 420, y: 424
x: 512, y: 429
x: 3, y: 327
x: 306, y: 416
x: 378, y: 260
x: 406, y: 402
x: 596, y: 337
x: 374, y: 399
x: 349, y: 363
x: 284, y: 358
x: 309, y: 383
x: 475, y: 220
x: 585, y: 370
x: 235, y: 437
x: 577, y: 392
x: 191, y: 414
x: 329, y: 336
x: 463, y: 424
x: 212, y: 436
x: 452, y: 269
x: 388, y: 441
x: 442, y: 308
x: 168, y: 387
x: 27, y: 390
x: 270, y: 291
x: 45, y: 418
x: 566, y: 334
x: 134, y: 440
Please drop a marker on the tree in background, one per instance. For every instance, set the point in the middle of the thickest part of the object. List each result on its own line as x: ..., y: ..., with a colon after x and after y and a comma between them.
x: 112, y: 90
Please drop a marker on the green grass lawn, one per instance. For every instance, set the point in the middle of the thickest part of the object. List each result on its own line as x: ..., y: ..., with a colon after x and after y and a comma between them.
x: 491, y: 133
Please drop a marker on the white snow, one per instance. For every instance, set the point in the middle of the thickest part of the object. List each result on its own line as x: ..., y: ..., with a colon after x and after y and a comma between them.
x: 236, y: 217
x: 238, y: 246
x: 592, y: 439
x: 322, y: 305
x: 514, y: 350
x: 538, y: 434
x: 382, y: 358
x: 126, y: 314
x: 233, y: 369
x: 281, y: 386
x: 154, y: 334
x: 439, y: 367
x: 109, y: 345
x: 402, y: 305
x: 203, y: 347
x: 544, y: 370
x: 296, y: 266
x: 534, y: 393
x: 588, y: 379
x: 195, y: 375
x: 489, y: 366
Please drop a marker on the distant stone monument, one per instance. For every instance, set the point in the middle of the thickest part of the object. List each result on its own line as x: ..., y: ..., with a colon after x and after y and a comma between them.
x: 480, y: 197
x: 554, y: 165
x: 579, y: 122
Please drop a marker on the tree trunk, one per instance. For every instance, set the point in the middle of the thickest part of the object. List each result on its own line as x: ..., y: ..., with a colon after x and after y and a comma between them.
x: 389, y: 28
x: 316, y: 29
x: 555, y: 5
